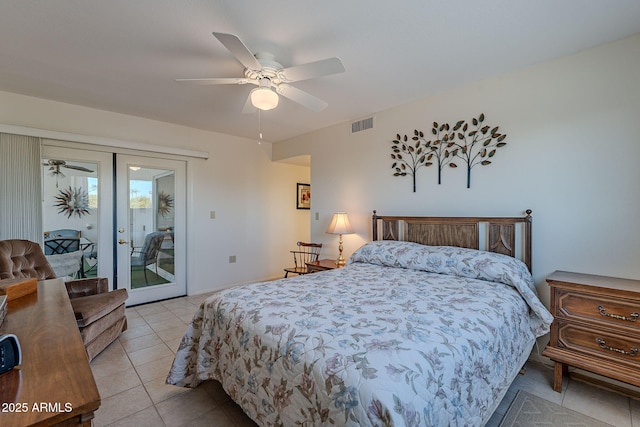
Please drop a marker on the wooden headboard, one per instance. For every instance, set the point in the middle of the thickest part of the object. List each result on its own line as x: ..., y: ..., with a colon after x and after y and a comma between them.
x: 496, y: 234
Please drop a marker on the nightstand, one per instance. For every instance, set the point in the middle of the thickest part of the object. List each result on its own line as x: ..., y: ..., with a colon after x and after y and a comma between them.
x: 321, y: 265
x: 596, y: 326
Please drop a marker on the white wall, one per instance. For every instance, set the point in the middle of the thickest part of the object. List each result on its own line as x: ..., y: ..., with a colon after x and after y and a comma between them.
x: 573, y: 154
x: 254, y: 198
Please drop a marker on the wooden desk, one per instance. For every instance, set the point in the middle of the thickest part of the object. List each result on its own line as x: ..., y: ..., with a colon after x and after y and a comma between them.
x: 54, y: 385
x: 321, y: 265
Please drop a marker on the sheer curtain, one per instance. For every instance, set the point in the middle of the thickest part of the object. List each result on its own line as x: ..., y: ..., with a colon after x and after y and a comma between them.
x: 20, y: 188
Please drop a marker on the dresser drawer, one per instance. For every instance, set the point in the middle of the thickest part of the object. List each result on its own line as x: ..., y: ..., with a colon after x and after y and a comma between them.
x: 619, y: 348
x: 596, y: 326
x: 606, y: 310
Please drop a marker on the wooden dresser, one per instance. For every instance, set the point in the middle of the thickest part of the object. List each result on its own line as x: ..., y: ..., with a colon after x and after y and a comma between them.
x: 596, y: 326
x: 54, y: 385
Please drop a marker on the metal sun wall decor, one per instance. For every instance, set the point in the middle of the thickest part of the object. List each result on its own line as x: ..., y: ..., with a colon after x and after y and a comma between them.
x: 165, y: 203
x: 72, y: 202
x: 475, y: 145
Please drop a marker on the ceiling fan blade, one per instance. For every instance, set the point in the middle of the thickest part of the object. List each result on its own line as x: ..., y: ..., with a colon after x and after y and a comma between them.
x: 301, y: 97
x: 239, y: 50
x: 324, y: 67
x: 78, y: 168
x: 215, y: 81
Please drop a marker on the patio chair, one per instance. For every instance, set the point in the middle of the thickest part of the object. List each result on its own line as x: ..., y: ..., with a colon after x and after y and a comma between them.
x: 148, y: 254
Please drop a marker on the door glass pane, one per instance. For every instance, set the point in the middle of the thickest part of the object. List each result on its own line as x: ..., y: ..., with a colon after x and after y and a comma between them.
x: 152, y: 224
x: 70, y: 215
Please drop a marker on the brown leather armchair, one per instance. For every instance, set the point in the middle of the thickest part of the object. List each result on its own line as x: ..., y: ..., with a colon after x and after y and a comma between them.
x: 100, y: 314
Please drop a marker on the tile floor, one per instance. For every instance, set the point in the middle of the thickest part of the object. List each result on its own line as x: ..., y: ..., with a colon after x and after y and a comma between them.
x: 131, y: 372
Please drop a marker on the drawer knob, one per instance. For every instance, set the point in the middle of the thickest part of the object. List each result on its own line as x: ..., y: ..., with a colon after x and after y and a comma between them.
x: 631, y: 318
x: 632, y: 352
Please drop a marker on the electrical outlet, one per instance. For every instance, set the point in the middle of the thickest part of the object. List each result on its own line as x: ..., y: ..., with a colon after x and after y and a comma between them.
x: 232, y: 259
x: 212, y: 214
x: 317, y: 216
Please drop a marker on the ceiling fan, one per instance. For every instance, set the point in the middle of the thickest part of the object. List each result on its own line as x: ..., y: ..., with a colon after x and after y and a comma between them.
x: 271, y: 77
x: 55, y: 165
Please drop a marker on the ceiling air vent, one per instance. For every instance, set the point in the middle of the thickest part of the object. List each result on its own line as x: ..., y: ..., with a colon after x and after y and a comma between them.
x: 363, y: 124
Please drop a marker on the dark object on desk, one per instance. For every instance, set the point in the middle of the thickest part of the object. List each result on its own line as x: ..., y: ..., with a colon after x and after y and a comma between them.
x: 99, y: 313
x: 10, y: 352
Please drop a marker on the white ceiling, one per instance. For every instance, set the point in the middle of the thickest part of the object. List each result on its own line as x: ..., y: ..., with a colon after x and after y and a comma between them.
x: 123, y: 55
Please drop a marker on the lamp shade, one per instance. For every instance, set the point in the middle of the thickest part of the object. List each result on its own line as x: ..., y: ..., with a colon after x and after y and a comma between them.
x: 340, y: 224
x: 264, y: 98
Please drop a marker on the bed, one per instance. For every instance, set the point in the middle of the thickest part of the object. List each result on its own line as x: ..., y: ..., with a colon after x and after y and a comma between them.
x: 419, y: 328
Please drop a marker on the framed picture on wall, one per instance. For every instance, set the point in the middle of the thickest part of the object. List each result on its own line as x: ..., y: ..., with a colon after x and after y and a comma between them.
x: 303, y: 197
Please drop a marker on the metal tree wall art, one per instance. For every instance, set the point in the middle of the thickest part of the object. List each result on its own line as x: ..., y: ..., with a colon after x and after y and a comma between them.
x: 443, y: 148
x: 408, y: 156
x: 484, y: 140
x: 474, y: 147
x: 72, y: 202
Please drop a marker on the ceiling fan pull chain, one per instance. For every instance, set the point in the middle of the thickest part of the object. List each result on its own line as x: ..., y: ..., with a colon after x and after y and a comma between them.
x: 260, y: 125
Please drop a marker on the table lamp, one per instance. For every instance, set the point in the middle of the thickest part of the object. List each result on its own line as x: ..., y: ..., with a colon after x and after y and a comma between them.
x: 340, y: 225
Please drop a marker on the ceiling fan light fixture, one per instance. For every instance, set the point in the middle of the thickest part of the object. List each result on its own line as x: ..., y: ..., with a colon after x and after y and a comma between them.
x: 264, y: 98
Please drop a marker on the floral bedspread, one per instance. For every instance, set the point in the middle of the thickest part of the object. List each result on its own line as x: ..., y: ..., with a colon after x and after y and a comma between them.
x: 404, y: 334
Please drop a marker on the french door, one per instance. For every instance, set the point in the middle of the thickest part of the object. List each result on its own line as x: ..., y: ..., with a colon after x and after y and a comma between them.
x: 140, y: 245
x: 150, y: 227
x: 77, y: 189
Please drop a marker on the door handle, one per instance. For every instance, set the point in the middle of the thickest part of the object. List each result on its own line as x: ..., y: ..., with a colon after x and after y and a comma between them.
x: 122, y: 242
